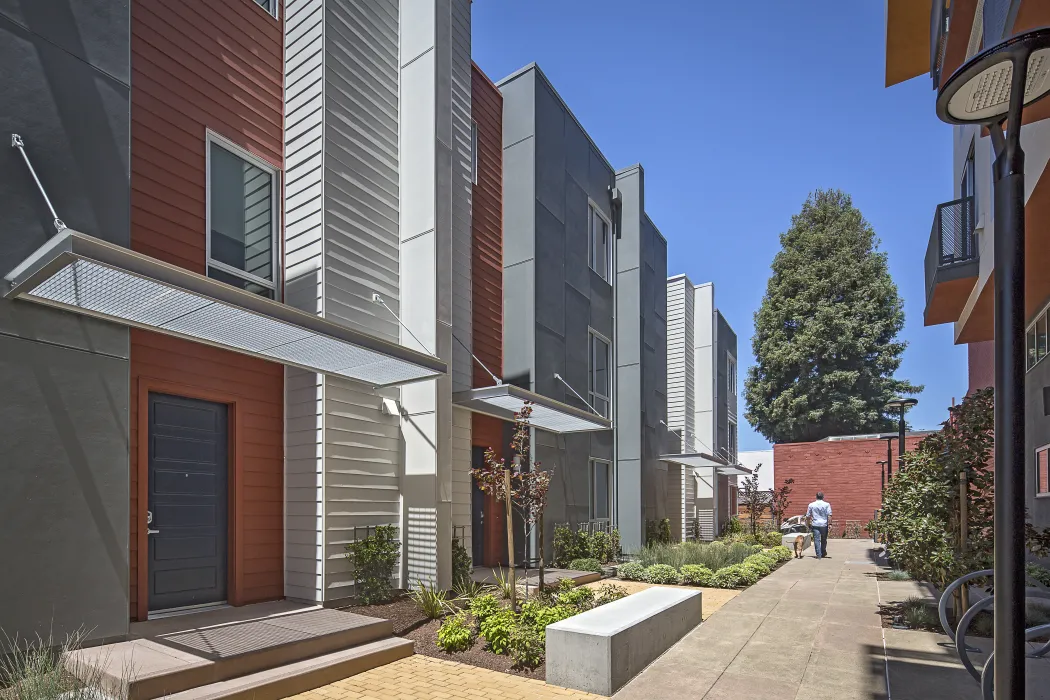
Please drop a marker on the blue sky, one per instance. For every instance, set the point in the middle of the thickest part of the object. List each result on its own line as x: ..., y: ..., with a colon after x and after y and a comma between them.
x: 737, y: 111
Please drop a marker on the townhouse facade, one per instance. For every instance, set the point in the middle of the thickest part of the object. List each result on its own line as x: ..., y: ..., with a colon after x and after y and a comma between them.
x: 304, y: 263
x: 933, y: 40
x: 702, y: 405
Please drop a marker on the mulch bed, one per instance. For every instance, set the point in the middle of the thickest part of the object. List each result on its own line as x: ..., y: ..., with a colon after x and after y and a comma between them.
x: 892, y: 618
x: 410, y: 623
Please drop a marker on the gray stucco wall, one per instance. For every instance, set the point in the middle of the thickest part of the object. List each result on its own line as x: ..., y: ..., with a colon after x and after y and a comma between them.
x: 64, y: 484
x: 1037, y: 434
x: 647, y: 490
x: 551, y: 169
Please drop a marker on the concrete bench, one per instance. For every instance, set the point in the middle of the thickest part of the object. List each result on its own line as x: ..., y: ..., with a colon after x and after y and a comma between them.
x: 600, y: 650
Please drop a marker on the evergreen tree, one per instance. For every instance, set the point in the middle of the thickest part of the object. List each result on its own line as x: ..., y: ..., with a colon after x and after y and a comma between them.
x: 825, y: 335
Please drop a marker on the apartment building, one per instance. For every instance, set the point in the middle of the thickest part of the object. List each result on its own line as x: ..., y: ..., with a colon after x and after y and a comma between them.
x: 702, y: 406
x: 933, y: 40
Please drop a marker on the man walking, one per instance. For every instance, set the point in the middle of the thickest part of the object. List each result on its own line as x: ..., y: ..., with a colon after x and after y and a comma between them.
x: 819, y: 518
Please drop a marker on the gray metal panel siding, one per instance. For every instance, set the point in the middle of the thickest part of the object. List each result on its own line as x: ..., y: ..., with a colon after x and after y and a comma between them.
x: 361, y: 245
x: 462, y: 193
x: 64, y: 419
x: 726, y: 404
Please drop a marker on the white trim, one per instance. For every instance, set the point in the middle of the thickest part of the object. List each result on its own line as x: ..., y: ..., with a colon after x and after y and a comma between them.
x: 276, y: 248
x: 592, y: 206
x: 275, y: 12
x: 591, y: 393
x: 186, y: 610
x: 474, y: 160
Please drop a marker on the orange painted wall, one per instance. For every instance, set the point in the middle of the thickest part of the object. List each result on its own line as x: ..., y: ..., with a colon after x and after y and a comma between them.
x: 197, y: 65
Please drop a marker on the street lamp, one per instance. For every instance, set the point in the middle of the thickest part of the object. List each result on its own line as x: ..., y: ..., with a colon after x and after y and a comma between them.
x: 882, y: 473
x: 902, y: 406
x: 991, y: 89
x: 889, y: 455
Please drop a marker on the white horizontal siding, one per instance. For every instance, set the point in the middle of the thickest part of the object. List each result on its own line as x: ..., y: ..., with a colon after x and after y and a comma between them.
x: 461, y: 484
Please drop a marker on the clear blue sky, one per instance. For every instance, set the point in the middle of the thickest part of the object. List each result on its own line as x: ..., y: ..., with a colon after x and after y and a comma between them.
x: 737, y: 111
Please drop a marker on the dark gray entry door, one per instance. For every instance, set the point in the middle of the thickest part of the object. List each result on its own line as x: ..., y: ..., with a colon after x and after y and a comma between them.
x: 188, y: 448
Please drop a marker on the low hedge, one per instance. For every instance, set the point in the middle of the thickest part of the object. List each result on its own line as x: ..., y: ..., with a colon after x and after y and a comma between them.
x: 747, y: 573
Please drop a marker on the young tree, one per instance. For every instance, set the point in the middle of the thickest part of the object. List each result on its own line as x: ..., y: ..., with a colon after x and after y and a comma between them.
x: 779, y: 500
x: 755, y: 499
x: 825, y: 335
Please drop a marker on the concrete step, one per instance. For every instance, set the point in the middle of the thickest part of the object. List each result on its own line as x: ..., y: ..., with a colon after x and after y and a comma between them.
x: 298, y: 677
x: 174, y: 655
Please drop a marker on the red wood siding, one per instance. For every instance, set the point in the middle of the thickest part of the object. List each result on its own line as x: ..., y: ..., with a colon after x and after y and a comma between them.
x: 199, y: 65
x: 487, y: 229
x: 981, y: 365
x: 845, y: 470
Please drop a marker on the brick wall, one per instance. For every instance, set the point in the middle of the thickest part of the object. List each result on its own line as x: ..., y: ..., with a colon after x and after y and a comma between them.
x: 846, y: 471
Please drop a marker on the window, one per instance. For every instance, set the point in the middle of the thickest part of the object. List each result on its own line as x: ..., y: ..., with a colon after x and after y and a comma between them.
x: 601, y: 244
x: 731, y: 375
x: 243, y: 214
x: 600, y: 489
x: 732, y: 439
x: 1042, y: 471
x: 598, y: 384
x: 268, y: 5
x: 1036, y: 339
x: 966, y: 187
x: 474, y: 152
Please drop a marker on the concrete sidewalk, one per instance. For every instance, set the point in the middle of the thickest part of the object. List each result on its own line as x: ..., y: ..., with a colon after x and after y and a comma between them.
x: 812, y: 630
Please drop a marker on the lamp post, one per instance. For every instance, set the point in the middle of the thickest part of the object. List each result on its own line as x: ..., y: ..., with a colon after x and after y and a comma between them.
x: 901, y: 406
x: 992, y: 89
x: 882, y: 473
x: 889, y: 455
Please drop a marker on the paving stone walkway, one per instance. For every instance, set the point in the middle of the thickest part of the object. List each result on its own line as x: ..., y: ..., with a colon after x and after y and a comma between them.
x: 812, y: 630
x: 424, y: 678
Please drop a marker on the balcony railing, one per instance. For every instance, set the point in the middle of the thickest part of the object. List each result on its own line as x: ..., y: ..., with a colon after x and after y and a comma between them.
x: 953, y: 228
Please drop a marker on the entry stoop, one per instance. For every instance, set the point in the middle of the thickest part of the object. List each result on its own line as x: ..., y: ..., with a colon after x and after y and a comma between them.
x: 265, y: 651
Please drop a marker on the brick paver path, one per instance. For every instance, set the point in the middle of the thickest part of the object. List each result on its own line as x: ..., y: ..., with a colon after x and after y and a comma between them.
x: 426, y: 678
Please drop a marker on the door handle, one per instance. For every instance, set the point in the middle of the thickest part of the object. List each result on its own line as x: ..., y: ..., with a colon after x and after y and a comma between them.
x: 151, y: 532
x: 149, y: 521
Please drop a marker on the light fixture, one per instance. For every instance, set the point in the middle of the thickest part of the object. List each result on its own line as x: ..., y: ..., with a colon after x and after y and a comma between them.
x: 991, y: 89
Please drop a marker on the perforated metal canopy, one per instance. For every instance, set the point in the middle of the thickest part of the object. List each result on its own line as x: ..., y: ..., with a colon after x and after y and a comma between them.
x: 547, y: 414
x: 80, y: 273
x: 700, y: 460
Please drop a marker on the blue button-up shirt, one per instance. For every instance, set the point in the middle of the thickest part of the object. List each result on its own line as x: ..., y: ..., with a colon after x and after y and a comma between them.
x: 819, y: 513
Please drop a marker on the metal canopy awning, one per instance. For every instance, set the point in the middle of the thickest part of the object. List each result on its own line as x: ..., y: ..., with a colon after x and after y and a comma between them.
x: 83, y: 274
x: 505, y: 400
x: 700, y: 460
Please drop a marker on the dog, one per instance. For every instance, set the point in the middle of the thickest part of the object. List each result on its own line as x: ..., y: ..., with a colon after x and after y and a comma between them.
x: 800, y: 544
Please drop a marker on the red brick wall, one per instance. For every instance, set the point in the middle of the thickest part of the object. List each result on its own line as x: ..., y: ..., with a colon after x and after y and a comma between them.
x: 845, y: 470
x: 981, y: 365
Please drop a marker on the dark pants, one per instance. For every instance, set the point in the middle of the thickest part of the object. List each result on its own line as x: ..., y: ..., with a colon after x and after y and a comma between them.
x: 820, y: 540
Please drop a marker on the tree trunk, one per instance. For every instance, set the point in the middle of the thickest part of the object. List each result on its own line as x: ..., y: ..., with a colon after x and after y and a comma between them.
x: 510, y: 540
x: 539, y: 523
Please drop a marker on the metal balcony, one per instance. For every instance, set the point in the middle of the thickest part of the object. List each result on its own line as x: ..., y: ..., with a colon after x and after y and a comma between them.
x: 951, y: 261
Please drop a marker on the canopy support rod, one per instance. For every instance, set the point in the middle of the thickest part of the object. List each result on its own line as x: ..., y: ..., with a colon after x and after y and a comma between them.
x: 577, y: 395
x: 17, y: 142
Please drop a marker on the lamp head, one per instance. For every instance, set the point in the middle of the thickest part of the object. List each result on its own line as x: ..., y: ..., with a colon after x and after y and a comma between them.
x: 979, y: 91
x: 901, y: 404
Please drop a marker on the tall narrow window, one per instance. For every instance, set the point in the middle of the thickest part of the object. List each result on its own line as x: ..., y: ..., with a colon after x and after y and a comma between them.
x: 599, y: 384
x: 600, y: 489
x: 731, y: 375
x: 601, y: 243
x: 268, y: 5
x: 732, y: 440
x: 242, y: 219
x: 1042, y: 471
x: 474, y: 152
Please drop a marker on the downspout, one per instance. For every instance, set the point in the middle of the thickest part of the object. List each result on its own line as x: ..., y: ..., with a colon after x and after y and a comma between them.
x: 617, y: 213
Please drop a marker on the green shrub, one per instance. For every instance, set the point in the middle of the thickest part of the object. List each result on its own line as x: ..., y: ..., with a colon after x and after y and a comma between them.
x: 917, y: 614
x: 581, y: 598
x: 551, y: 614
x: 738, y: 552
x: 608, y: 592
x: 756, y: 548
x: 586, y: 565
x: 696, y: 575
x: 1039, y: 574
x: 631, y: 571
x: 469, y: 590
x: 527, y: 646
x: 496, y: 628
x: 455, y: 634
x: 374, y: 559
x: 898, y: 575
x: 759, y: 563
x: 983, y: 625
x: 728, y: 577
x: 600, y: 548
x: 733, y: 526
x: 773, y: 538
x: 505, y: 585
x: 431, y: 601
x: 483, y: 606
x: 462, y: 566
x: 662, y: 573
x: 781, y: 552
x: 569, y: 545
x: 658, y: 531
